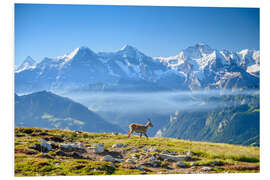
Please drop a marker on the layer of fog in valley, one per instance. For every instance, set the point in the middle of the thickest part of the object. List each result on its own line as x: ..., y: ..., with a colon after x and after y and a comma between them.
x: 155, y: 102
x: 122, y: 108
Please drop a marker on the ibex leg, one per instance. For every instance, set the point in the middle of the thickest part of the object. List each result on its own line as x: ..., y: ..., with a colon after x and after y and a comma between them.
x: 129, y: 133
x: 145, y: 135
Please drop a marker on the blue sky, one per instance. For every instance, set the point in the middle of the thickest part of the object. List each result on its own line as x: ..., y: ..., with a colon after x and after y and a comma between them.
x: 53, y: 30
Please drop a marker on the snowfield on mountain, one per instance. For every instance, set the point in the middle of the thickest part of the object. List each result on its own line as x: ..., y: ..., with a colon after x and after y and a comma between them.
x: 196, y: 67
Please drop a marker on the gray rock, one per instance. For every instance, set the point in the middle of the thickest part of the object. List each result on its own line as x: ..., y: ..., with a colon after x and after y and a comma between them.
x: 155, y: 164
x: 173, y: 153
x: 118, y: 160
x: 107, y: 158
x: 207, y: 169
x: 45, y: 145
x: 180, y: 164
x: 172, y: 157
x: 140, y: 167
x: 131, y: 161
x: 119, y: 145
x: 151, y: 149
x: 68, y: 147
x: 165, y: 152
x: 98, y: 149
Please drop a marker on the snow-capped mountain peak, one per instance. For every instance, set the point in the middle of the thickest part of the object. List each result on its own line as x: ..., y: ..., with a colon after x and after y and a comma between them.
x: 82, y: 53
x: 70, y: 55
x: 127, y: 47
x: 27, y: 63
x: 30, y: 60
x: 83, y: 50
x: 197, y: 51
x: 128, y: 50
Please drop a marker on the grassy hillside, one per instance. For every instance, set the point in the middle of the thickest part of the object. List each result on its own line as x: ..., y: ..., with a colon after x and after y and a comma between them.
x: 138, y: 156
x: 47, y: 110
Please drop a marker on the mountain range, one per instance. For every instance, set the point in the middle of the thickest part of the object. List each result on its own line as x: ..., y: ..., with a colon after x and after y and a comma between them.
x: 196, y: 67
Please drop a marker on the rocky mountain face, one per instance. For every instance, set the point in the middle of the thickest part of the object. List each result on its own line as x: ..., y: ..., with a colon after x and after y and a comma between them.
x: 196, y: 67
x: 207, y: 68
x: 47, y: 110
x: 235, y: 119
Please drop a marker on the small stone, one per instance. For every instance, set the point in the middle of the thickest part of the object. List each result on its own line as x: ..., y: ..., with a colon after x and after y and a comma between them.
x: 155, y: 164
x: 151, y: 149
x: 130, y: 161
x: 119, y: 145
x: 172, y: 157
x: 107, y: 158
x: 118, y: 160
x: 139, y: 167
x: 98, y: 149
x: 165, y: 152
x: 207, y: 169
x: 173, y: 153
x: 181, y: 164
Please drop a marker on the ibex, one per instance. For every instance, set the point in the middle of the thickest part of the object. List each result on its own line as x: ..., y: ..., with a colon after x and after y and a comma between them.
x: 139, y: 128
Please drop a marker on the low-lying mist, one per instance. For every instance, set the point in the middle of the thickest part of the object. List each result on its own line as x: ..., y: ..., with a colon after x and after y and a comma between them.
x: 158, y: 102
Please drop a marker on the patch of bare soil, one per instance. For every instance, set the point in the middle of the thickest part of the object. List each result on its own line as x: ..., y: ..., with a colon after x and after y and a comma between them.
x: 242, y: 167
